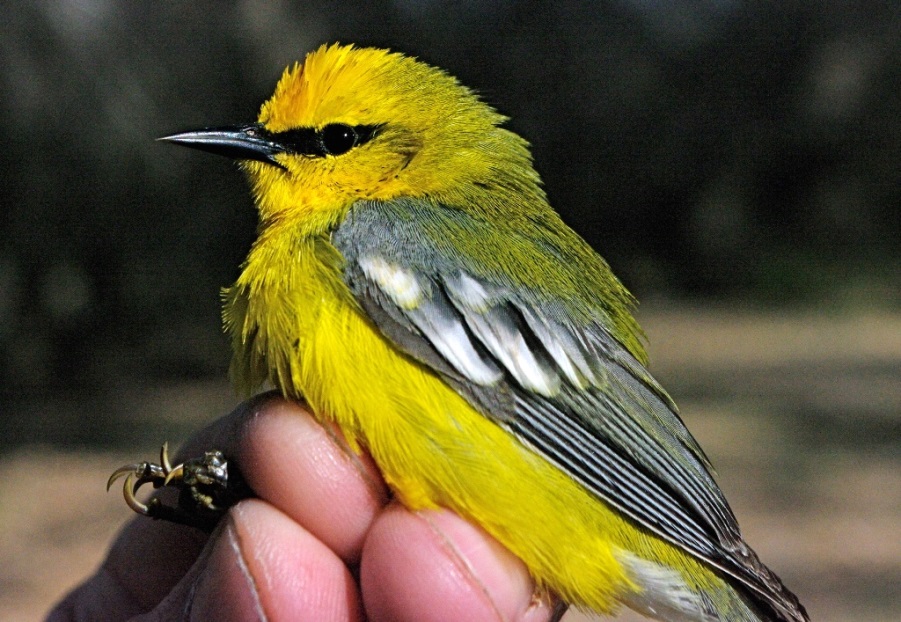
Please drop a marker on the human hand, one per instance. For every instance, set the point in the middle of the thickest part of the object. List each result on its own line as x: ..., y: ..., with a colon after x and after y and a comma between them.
x: 322, y: 541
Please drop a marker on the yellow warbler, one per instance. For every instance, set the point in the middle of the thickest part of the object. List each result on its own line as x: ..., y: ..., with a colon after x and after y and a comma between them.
x: 411, y: 283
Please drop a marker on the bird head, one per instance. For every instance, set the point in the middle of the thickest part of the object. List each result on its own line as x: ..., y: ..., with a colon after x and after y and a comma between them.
x: 360, y: 123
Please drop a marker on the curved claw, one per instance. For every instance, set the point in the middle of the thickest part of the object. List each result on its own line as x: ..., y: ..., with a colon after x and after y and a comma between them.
x: 164, y: 459
x: 128, y: 469
x: 136, y: 475
x: 140, y: 473
x: 132, y: 483
x: 206, y: 488
x: 174, y: 474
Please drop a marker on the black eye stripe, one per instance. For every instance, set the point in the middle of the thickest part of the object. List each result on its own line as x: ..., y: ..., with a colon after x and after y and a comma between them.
x: 333, y: 139
x: 301, y: 141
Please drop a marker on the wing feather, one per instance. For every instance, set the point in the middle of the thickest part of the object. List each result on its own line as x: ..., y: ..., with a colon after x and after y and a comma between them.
x: 546, y: 369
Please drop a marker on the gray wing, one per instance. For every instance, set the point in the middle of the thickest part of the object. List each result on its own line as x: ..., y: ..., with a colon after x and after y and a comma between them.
x: 564, y: 386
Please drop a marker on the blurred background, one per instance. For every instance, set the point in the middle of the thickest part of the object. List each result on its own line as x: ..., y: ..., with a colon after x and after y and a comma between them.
x: 737, y: 163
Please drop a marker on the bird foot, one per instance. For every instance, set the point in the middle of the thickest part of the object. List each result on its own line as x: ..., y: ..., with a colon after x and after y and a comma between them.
x: 206, y: 488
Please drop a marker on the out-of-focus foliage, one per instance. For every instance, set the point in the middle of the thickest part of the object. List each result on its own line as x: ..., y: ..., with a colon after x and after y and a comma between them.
x: 730, y: 150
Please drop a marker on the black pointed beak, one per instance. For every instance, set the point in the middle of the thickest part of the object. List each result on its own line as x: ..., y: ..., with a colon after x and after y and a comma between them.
x: 240, y: 142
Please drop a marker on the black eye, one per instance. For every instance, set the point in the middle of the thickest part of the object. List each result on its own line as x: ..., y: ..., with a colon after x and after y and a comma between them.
x: 338, y: 138
x: 332, y: 140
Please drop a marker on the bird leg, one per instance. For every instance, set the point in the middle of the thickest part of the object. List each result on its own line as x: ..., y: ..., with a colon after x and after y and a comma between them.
x: 206, y: 488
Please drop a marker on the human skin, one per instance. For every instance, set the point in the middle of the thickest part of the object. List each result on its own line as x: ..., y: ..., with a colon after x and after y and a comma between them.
x: 322, y: 540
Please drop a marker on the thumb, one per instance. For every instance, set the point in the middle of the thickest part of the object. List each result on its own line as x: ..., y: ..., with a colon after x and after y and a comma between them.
x: 260, y: 565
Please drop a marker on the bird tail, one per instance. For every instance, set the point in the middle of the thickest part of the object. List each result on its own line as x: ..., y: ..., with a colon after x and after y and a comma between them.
x: 664, y: 594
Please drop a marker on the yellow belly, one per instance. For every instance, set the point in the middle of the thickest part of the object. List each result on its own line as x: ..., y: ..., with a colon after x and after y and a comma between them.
x: 433, y: 448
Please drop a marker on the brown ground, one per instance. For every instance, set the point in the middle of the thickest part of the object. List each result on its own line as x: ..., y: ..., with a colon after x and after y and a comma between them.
x: 801, y: 415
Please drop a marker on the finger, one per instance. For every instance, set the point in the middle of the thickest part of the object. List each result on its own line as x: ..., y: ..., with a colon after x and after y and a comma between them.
x: 262, y: 565
x: 413, y: 560
x: 287, y: 458
x: 308, y: 472
x: 148, y: 558
x: 303, y: 468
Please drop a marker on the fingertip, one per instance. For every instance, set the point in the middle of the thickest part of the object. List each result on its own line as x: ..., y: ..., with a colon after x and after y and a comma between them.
x: 296, y: 576
x: 263, y: 566
x: 411, y: 561
x: 502, y: 576
x: 220, y: 588
x: 495, y: 570
x: 293, y: 462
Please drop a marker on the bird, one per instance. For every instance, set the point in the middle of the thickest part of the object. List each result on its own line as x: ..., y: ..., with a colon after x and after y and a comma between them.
x: 411, y: 284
